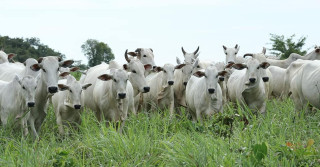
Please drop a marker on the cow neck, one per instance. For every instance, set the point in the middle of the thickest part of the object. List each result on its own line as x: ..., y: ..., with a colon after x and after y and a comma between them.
x: 42, y: 93
x: 16, y: 93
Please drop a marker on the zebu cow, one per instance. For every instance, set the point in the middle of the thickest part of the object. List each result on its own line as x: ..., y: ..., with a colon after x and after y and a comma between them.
x: 4, y: 58
x: 47, y: 86
x: 15, y: 98
x: 67, y: 102
x: 145, y: 55
x: 9, y: 70
x: 305, y: 85
x: 203, y: 93
x: 161, y: 88
x: 231, y: 54
x: 190, y: 57
x: 246, y: 86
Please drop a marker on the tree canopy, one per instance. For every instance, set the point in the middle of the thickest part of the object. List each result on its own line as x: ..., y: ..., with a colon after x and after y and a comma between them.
x: 282, y: 46
x: 96, y: 52
x: 27, y: 48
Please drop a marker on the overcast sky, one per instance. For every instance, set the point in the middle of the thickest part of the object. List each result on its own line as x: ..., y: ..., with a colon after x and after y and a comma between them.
x: 163, y: 25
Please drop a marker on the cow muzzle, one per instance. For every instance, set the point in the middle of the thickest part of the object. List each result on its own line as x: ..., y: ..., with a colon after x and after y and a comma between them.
x: 211, y: 91
x: 146, y: 89
x: 31, y: 104
x: 122, y: 95
x: 252, y: 80
x: 317, y: 50
x: 185, y: 83
x: 221, y: 79
x: 77, y: 106
x: 170, y: 82
x: 53, y: 89
x: 265, y: 79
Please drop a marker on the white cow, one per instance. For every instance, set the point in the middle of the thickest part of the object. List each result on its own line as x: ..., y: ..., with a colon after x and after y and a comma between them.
x: 203, y: 93
x: 4, y: 58
x: 161, y: 93
x: 231, y: 54
x: 278, y: 78
x: 145, y: 55
x: 190, y: 57
x: 67, y: 102
x: 305, y: 85
x: 9, y: 70
x: 113, y: 94
x: 47, y: 86
x: 15, y: 98
x: 245, y: 85
x: 181, y: 77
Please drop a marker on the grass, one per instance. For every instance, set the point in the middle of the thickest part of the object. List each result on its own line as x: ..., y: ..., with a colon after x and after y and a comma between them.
x: 234, y: 138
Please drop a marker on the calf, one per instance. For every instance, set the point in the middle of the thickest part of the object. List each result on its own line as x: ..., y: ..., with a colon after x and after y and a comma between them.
x: 15, y: 98
x: 67, y: 102
x: 246, y: 86
x: 203, y: 93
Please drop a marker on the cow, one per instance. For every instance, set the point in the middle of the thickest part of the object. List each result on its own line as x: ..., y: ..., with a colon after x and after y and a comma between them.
x: 231, y: 54
x: 189, y: 58
x: 278, y: 78
x: 9, y: 70
x: 145, y: 55
x: 203, y: 93
x: 4, y: 58
x: 305, y: 86
x: 245, y: 85
x: 47, y: 86
x: 161, y: 93
x: 113, y: 96
x: 67, y: 102
x: 181, y: 77
x: 15, y: 98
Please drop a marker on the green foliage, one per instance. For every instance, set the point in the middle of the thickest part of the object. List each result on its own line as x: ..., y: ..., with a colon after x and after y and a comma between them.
x: 26, y: 48
x: 96, y: 52
x: 282, y: 47
x: 234, y: 138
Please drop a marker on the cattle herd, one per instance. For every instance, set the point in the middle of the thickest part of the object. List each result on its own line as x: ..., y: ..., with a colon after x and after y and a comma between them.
x: 112, y: 91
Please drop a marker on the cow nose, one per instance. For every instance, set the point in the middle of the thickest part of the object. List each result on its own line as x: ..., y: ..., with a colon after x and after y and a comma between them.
x: 77, y: 106
x: 122, y: 95
x: 170, y: 82
x: 221, y: 78
x: 317, y: 50
x: 252, y: 80
x: 265, y: 79
x: 146, y: 89
x: 31, y: 104
x: 211, y: 91
x: 53, y: 89
x: 185, y: 83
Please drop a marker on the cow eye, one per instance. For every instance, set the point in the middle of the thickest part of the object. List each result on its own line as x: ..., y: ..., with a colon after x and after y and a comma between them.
x: 258, y: 67
x: 70, y: 90
x: 134, y: 71
x: 236, y: 53
x: 58, y: 69
x: 144, y: 55
x: 35, y: 87
x: 198, y: 66
x: 23, y: 87
x: 164, y: 71
x: 114, y: 80
x: 44, y: 70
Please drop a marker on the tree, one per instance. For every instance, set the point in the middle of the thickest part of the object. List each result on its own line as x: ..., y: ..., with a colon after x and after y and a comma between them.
x: 97, y: 52
x: 282, y: 47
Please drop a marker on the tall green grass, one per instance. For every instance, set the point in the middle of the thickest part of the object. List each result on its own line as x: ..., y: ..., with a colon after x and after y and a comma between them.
x: 234, y: 138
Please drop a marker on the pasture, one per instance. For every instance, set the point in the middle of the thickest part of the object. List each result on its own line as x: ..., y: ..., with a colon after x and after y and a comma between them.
x: 237, y: 137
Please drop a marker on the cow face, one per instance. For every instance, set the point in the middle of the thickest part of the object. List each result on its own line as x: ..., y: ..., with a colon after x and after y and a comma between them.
x: 231, y: 53
x: 168, y: 73
x: 74, y: 89
x: 119, y: 79
x: 28, y: 88
x: 211, y: 77
x: 187, y: 70
x: 253, y: 72
x: 190, y: 57
x: 145, y: 55
x: 50, y: 67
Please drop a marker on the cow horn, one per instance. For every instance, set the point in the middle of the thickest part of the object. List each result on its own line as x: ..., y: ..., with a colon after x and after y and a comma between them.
x: 126, y: 56
x: 138, y: 50
x: 184, y: 52
x: 195, y: 52
x: 248, y: 54
x: 264, y: 50
x: 236, y: 46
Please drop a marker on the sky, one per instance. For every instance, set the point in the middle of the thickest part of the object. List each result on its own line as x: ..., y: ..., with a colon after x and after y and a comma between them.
x: 163, y: 25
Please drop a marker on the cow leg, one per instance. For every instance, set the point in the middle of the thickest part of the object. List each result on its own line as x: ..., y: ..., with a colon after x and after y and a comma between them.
x: 171, y: 109
x: 199, y: 116
x: 59, y: 123
x: 33, y: 129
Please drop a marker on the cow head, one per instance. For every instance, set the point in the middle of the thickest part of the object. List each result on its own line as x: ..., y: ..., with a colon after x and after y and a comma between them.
x: 119, y: 79
x: 74, y: 89
x: 187, y: 70
x: 145, y: 55
x: 50, y: 67
x: 211, y: 77
x: 5, y: 57
x: 231, y: 53
x: 28, y: 88
x: 136, y: 76
x: 190, y: 57
x: 168, y: 73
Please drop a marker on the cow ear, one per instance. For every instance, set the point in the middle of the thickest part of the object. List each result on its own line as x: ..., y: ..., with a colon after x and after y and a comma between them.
x: 199, y: 74
x: 10, y: 56
x: 223, y: 73
x: 195, y: 64
x: 151, y: 49
x: 40, y: 59
x: 125, y: 67
x: 147, y: 67
x: 24, y: 63
x: 63, y: 87
x: 17, y: 78
x: 132, y: 54
x: 178, y: 60
x: 59, y: 58
x: 85, y: 86
x: 158, y: 69
x: 264, y: 50
x: 105, y: 77
x: 229, y: 65
x: 224, y: 47
x: 73, y: 69
x: 264, y: 65
x: 239, y: 66
x: 66, y: 63
x: 35, y: 67
x: 64, y: 74
x: 179, y: 66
